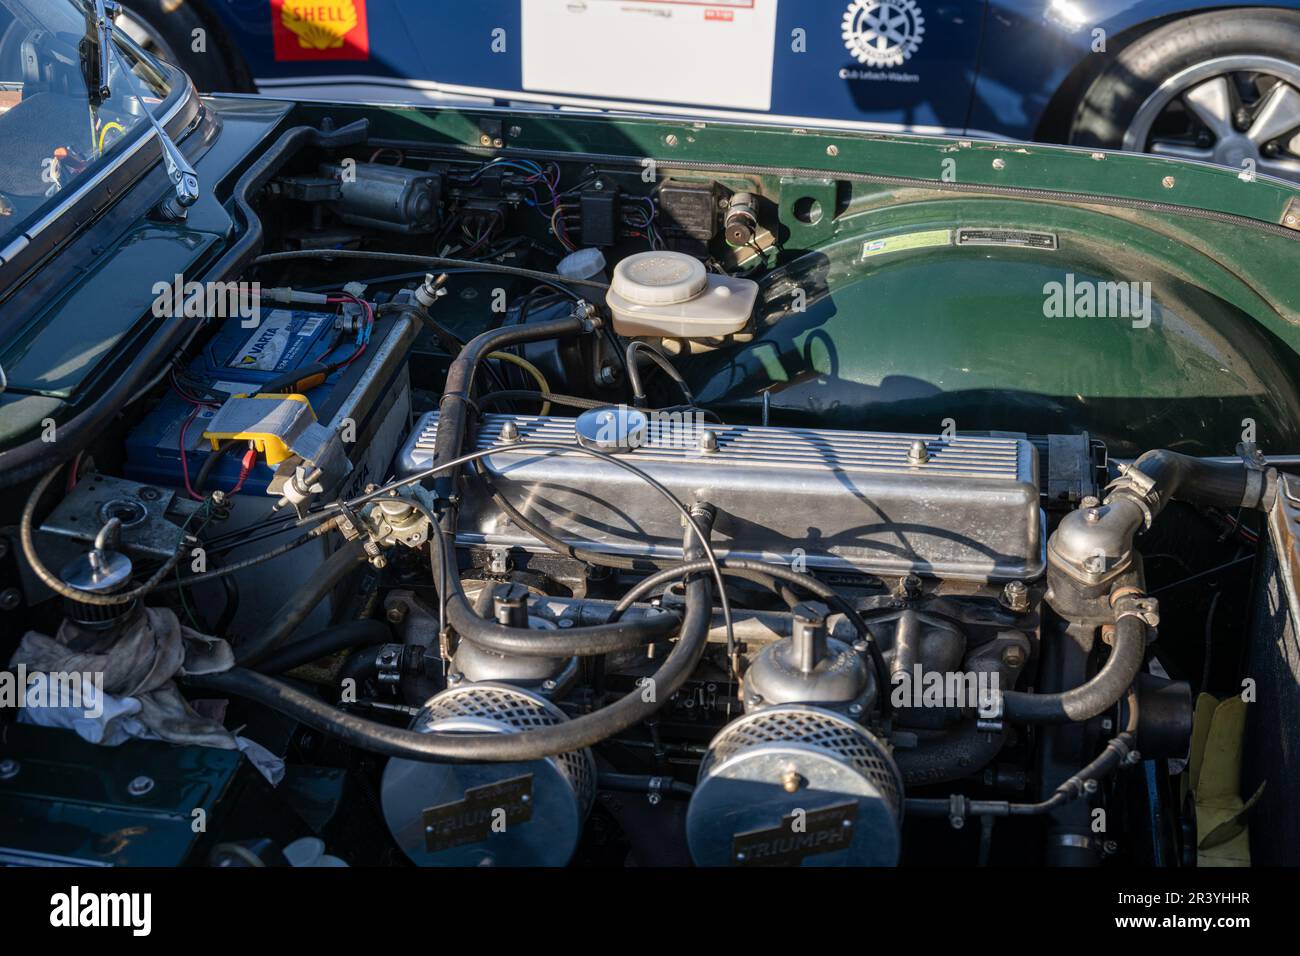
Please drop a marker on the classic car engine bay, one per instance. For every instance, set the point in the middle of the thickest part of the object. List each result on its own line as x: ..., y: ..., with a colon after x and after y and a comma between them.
x: 556, y: 510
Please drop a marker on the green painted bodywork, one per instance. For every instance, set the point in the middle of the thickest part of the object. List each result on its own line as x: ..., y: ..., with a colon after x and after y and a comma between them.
x: 72, y: 801
x: 905, y: 339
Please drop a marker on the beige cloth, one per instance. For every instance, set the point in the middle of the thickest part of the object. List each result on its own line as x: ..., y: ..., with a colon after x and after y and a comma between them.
x: 138, y: 664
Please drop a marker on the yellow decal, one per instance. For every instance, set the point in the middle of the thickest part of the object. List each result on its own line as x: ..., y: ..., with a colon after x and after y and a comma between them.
x: 319, y: 24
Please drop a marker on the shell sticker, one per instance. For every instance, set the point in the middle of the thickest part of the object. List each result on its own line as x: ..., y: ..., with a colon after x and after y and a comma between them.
x: 320, y: 30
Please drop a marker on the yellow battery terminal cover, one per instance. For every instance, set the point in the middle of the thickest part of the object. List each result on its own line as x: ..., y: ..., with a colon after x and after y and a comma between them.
x: 271, y: 422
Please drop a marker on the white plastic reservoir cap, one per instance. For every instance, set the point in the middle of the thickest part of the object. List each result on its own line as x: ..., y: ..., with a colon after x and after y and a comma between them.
x: 659, y: 278
x: 583, y: 264
x: 670, y: 294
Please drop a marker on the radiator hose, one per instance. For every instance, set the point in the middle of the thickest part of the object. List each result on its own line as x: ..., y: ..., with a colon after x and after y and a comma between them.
x: 1096, y: 696
x: 1091, y: 555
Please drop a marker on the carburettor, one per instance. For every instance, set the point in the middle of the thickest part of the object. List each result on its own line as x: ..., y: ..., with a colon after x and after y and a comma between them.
x: 797, y: 779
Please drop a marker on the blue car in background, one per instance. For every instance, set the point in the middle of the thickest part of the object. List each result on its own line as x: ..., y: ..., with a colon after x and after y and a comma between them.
x: 1214, y: 83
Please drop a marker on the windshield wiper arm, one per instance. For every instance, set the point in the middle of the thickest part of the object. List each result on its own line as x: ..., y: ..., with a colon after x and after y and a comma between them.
x: 101, y: 22
x: 185, y: 181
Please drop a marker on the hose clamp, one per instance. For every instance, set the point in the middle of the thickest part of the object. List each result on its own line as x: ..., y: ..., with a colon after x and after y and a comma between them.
x: 1131, y: 602
x: 1261, y: 480
x: 1138, y: 487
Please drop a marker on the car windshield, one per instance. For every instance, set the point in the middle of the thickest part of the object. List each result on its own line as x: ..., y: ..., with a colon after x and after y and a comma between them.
x: 57, y: 124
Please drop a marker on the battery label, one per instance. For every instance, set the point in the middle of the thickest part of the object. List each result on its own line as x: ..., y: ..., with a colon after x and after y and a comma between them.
x: 279, y: 343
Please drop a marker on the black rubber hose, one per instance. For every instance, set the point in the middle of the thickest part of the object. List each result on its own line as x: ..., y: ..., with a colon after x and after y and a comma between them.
x: 637, y: 347
x: 296, y: 610
x: 24, y: 462
x: 531, y: 744
x: 1119, y: 750
x: 642, y: 783
x: 454, y: 407
x: 696, y: 519
x: 212, y: 460
x: 362, y: 668
x: 323, y: 643
x: 588, y: 641
x: 1195, y: 480
x: 1097, y: 695
x: 806, y: 581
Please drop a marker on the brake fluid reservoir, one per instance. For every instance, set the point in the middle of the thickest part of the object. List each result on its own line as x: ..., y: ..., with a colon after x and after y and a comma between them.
x: 670, y: 295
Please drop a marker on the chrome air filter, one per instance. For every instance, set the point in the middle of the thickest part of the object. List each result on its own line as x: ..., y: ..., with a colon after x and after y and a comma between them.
x: 796, y: 786
x: 475, y: 814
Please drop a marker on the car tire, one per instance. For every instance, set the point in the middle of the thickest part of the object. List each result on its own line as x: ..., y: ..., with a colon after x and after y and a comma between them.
x: 1114, y: 98
x: 168, y: 31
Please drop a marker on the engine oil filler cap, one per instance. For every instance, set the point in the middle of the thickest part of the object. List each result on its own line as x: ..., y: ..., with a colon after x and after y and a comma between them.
x: 671, y: 295
x: 612, y: 429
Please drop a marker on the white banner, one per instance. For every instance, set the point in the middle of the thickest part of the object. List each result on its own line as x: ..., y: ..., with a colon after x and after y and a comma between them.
x: 675, y: 51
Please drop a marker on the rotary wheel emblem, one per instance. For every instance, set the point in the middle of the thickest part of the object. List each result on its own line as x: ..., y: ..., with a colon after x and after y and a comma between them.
x: 883, y: 32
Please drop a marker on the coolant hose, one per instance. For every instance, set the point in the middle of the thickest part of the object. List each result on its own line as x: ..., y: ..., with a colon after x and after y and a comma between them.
x: 532, y: 744
x: 1198, y: 481
x: 1119, y: 751
x: 323, y: 643
x: 453, y: 409
x: 296, y: 610
x: 1097, y: 695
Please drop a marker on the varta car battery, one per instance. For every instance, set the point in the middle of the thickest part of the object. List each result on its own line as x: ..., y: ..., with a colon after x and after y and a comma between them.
x: 241, y: 360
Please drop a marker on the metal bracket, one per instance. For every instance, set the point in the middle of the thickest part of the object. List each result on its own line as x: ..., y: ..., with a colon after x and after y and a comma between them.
x: 1291, y: 214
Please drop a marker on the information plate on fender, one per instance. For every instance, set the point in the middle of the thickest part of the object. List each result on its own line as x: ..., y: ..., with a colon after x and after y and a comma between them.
x: 796, y: 837
x: 480, y: 813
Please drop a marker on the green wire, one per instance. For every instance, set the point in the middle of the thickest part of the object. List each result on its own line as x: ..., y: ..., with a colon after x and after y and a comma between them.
x: 180, y: 584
